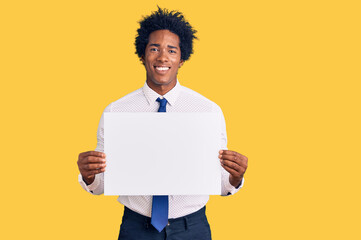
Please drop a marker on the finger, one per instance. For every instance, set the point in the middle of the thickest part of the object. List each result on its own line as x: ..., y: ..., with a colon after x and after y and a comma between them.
x: 92, y: 153
x: 230, y: 158
x: 91, y: 159
x: 227, y: 152
x: 230, y: 170
x: 233, y: 165
x: 93, y: 172
x: 232, y: 153
x: 243, y: 158
x: 234, y: 159
x: 90, y: 167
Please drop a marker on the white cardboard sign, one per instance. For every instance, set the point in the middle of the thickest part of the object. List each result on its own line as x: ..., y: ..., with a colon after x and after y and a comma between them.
x: 162, y: 154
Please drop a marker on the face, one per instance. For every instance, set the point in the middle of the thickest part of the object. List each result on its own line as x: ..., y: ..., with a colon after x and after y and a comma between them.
x: 161, y: 60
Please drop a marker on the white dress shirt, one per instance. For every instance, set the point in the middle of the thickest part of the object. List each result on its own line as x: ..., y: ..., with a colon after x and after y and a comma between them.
x: 180, y: 99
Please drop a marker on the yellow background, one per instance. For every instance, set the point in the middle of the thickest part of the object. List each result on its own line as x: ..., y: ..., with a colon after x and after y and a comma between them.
x: 285, y: 73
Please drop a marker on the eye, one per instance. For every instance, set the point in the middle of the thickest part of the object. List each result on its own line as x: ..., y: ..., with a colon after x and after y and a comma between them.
x: 172, y: 51
x: 153, y: 49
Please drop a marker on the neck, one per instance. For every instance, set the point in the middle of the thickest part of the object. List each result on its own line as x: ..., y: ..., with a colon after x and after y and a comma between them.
x: 161, y: 89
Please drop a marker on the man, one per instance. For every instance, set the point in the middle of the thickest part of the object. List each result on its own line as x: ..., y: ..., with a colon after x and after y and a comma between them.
x: 164, y: 43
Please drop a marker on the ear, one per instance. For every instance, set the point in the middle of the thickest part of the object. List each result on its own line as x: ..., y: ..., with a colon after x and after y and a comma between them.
x: 142, y: 59
x: 181, y: 63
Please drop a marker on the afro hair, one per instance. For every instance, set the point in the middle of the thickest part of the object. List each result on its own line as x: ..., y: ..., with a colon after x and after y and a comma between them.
x: 164, y: 19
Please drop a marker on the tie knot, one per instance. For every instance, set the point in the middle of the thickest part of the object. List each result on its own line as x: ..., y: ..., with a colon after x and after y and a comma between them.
x: 162, y: 102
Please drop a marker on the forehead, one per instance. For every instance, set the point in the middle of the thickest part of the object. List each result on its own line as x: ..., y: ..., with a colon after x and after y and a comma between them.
x: 164, y: 37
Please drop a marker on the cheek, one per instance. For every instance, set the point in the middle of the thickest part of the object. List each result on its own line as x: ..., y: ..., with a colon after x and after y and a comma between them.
x: 148, y: 65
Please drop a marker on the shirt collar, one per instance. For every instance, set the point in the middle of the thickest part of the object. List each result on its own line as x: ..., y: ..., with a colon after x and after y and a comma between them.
x: 171, y: 96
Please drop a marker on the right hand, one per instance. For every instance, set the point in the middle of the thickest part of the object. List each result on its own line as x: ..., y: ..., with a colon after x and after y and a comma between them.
x: 91, y: 163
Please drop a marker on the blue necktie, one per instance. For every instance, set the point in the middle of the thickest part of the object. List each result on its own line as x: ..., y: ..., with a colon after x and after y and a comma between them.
x: 160, y: 203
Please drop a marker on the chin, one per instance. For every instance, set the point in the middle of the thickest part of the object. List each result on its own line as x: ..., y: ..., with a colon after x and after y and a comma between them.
x: 162, y: 81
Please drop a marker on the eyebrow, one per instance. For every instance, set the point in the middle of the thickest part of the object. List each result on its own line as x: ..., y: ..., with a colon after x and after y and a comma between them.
x: 158, y: 45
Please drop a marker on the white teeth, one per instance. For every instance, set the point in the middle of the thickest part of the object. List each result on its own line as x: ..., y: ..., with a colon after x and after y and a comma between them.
x: 162, y: 68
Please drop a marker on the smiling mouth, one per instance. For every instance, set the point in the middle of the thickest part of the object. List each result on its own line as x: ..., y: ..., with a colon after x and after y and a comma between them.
x: 161, y: 68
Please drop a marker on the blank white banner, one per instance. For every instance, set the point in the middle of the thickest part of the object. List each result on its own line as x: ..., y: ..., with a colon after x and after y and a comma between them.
x: 162, y: 153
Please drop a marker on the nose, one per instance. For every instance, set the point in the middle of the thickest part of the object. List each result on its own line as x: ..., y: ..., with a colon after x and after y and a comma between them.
x: 163, y: 56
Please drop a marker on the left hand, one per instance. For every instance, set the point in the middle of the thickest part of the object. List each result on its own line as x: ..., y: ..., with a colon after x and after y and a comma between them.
x: 234, y: 163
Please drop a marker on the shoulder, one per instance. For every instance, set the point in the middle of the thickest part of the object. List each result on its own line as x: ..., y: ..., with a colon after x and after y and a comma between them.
x: 198, y: 98
x: 126, y: 100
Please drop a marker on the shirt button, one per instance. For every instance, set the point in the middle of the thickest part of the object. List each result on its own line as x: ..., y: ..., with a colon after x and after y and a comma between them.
x: 168, y: 224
